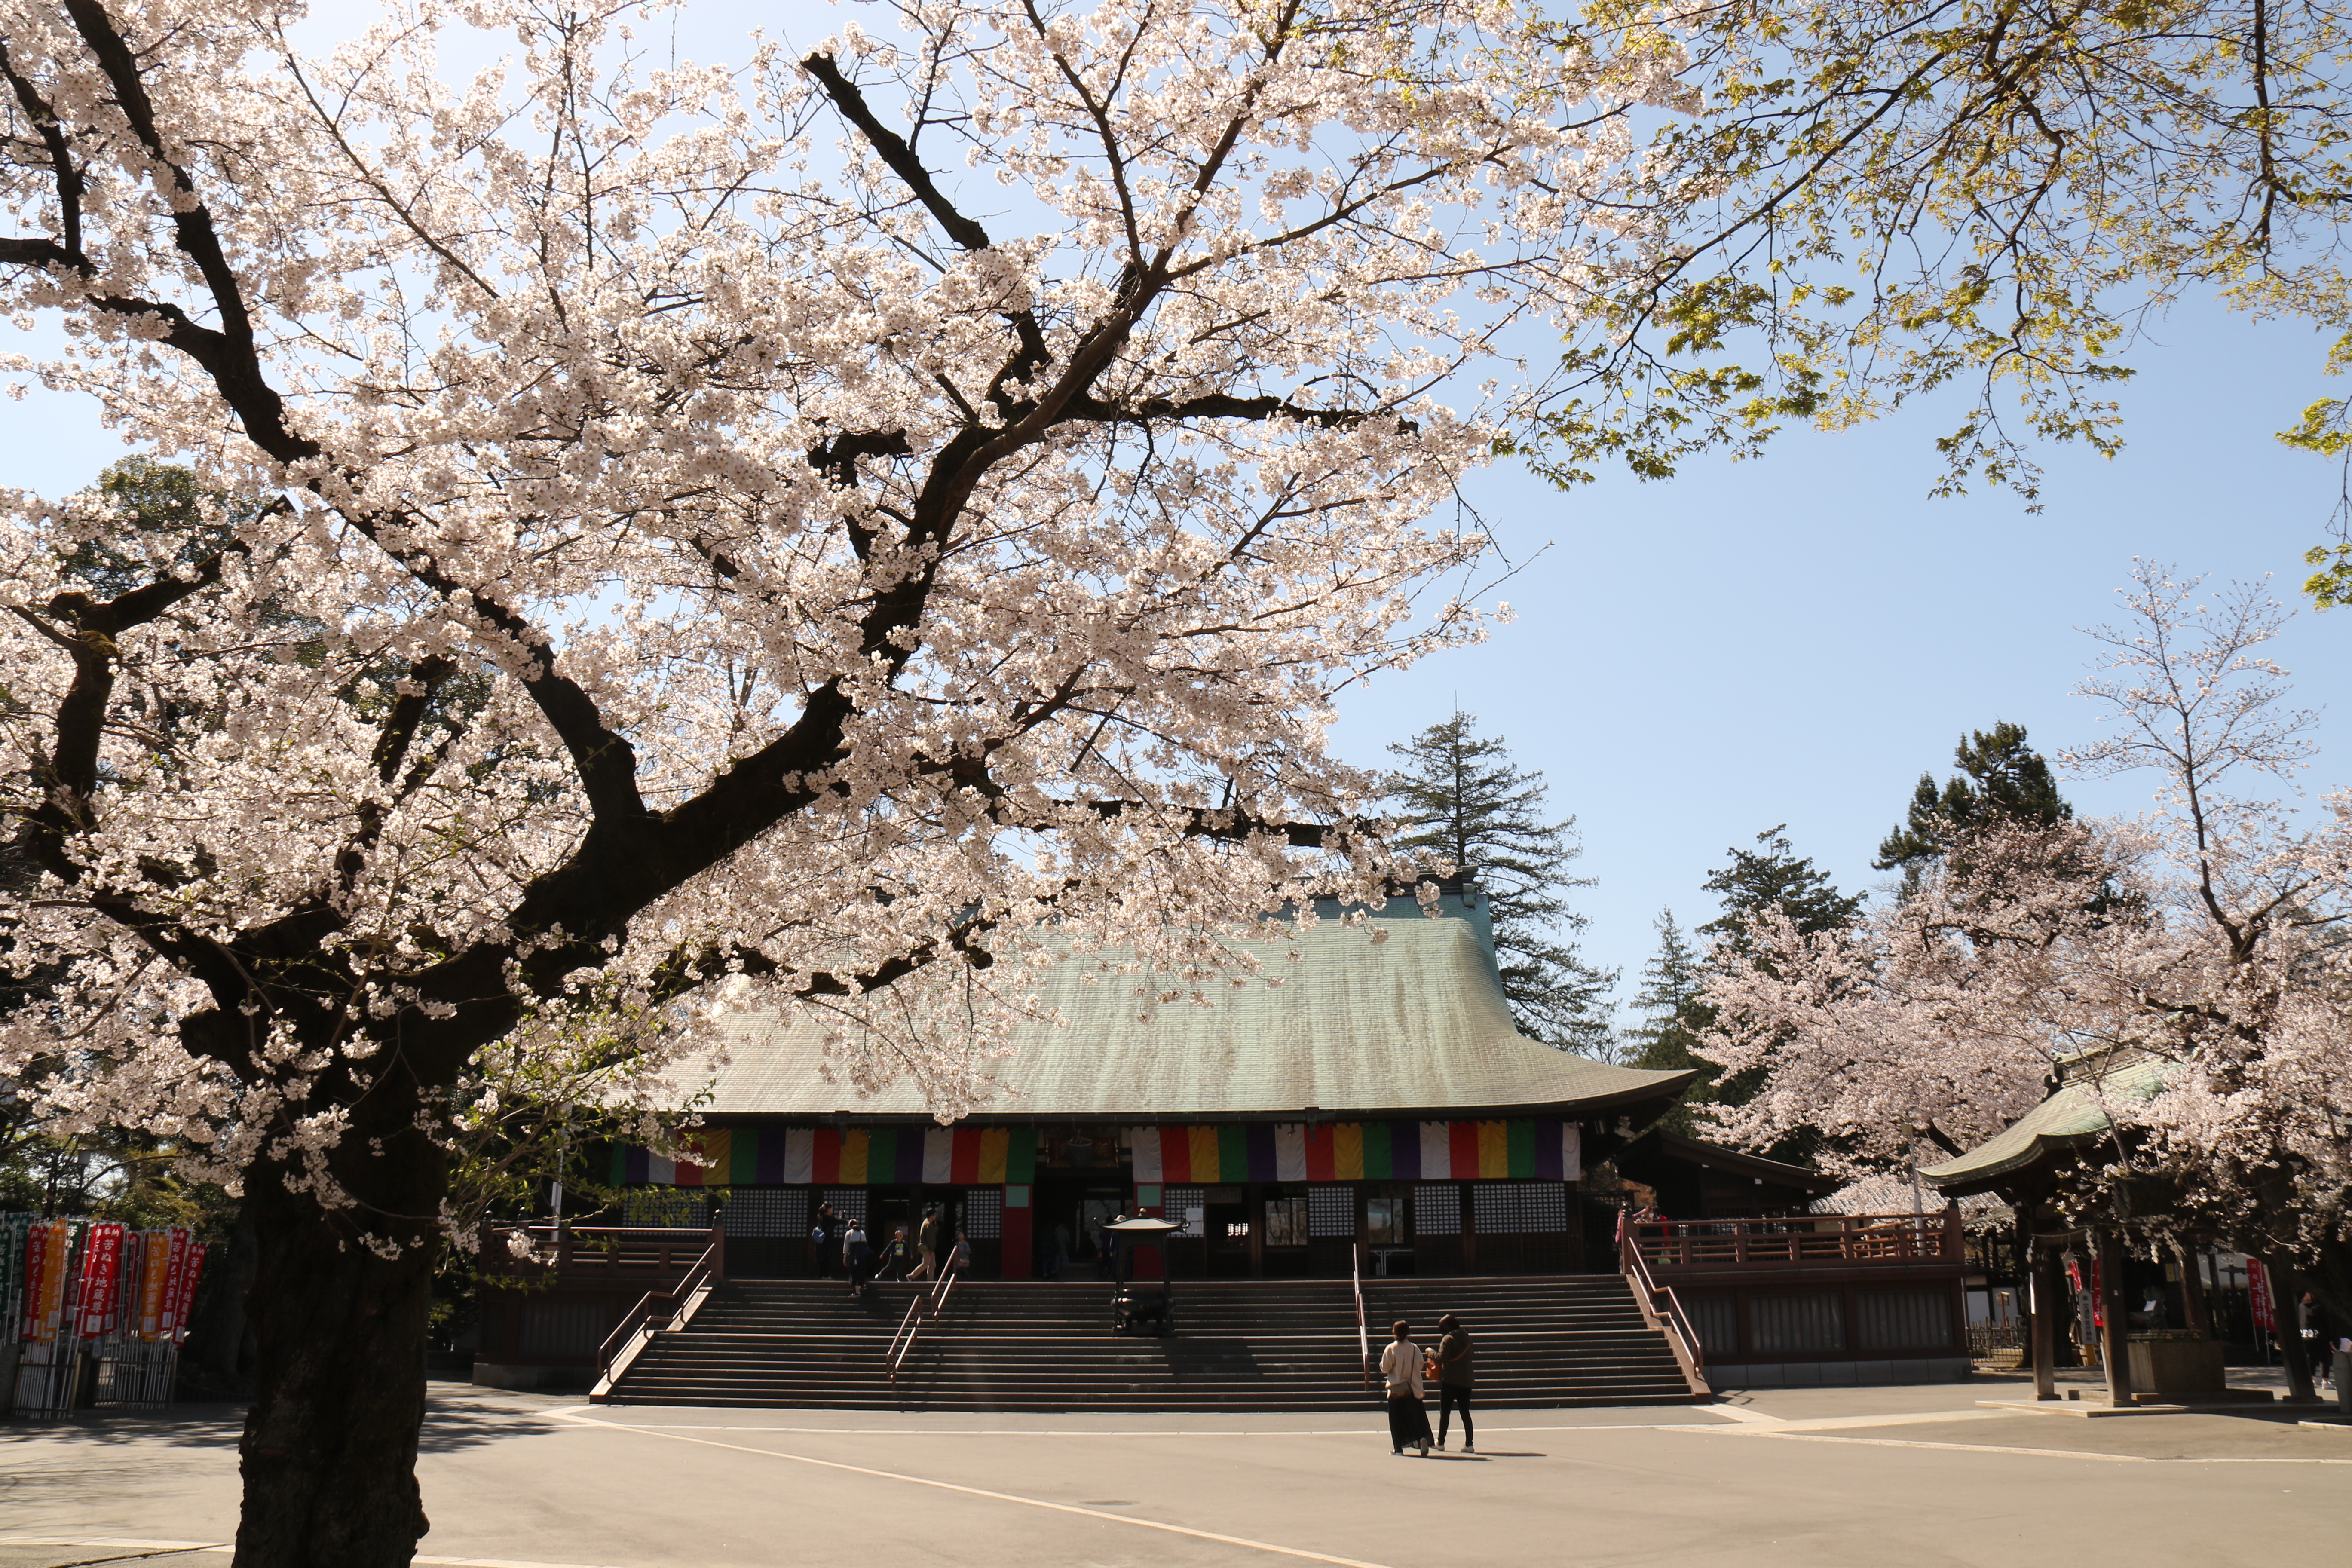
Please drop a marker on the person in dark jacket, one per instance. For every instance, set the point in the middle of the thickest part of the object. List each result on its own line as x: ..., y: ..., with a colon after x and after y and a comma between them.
x: 857, y: 1256
x: 824, y: 1236
x: 1454, y: 1378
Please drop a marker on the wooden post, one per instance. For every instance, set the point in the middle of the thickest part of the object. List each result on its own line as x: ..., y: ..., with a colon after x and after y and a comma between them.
x: 2194, y: 1304
x: 2049, y: 1291
x: 2114, y: 1338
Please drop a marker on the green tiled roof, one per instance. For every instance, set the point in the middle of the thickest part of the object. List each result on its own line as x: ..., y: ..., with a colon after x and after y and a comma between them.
x: 2075, y: 1113
x: 1416, y: 1023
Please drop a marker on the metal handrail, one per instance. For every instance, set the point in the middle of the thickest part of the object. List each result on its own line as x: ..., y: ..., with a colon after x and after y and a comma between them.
x: 1363, y: 1338
x: 1680, y: 1334
x: 929, y: 1303
x: 633, y: 1324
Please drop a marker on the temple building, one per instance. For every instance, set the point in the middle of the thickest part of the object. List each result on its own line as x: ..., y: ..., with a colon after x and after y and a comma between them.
x: 1379, y: 1095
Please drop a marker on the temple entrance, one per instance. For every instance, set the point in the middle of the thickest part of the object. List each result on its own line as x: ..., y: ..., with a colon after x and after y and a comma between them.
x: 1232, y: 1234
x: 1070, y: 1214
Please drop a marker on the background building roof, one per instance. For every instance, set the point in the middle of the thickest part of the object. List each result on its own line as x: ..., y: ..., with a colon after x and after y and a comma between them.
x: 1416, y: 1023
x: 2076, y: 1112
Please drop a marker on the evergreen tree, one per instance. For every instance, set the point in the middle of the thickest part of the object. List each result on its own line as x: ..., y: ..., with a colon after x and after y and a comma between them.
x: 1463, y: 799
x: 2002, y: 779
x: 1773, y: 876
x: 1672, y: 1014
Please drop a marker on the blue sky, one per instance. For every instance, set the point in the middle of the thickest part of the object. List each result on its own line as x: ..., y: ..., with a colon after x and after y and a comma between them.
x: 1794, y: 639
x: 1789, y: 639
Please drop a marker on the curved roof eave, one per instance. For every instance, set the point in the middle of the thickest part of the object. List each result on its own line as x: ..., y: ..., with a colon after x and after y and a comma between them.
x: 1357, y: 1031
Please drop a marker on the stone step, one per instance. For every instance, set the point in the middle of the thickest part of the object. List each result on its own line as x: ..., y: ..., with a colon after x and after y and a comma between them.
x: 1019, y: 1345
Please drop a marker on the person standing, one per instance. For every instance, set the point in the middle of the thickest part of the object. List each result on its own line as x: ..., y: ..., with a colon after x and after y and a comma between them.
x: 1454, y: 1378
x: 822, y: 1237
x: 857, y: 1258
x: 1408, y: 1416
x: 926, y: 1246
x: 959, y: 1256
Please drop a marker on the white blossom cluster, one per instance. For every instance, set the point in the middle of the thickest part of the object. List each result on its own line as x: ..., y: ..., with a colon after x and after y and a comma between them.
x: 798, y: 526
x: 2208, y: 939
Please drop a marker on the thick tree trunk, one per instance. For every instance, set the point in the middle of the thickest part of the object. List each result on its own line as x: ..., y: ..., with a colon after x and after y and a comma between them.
x: 330, y: 1447
x: 2287, y: 1314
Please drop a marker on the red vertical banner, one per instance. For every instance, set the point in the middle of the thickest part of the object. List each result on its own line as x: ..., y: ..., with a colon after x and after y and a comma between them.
x: 191, y: 1272
x: 155, y: 1281
x: 2258, y: 1296
x: 101, y: 1282
x: 176, y: 1264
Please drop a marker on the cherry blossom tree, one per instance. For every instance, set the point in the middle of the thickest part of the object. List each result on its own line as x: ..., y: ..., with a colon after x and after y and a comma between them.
x: 2208, y: 938
x: 686, y: 537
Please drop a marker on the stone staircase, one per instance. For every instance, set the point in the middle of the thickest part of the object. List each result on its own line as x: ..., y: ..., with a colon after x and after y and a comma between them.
x: 1577, y: 1340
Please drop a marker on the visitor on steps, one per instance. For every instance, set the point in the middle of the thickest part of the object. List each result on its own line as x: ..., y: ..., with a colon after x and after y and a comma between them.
x: 1408, y: 1417
x: 1454, y: 1378
x: 897, y: 1255
x: 960, y: 1258
x: 926, y: 1246
x: 858, y: 1255
x: 822, y: 1237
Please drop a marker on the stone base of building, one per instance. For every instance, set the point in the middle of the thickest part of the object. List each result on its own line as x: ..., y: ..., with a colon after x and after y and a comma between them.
x: 528, y: 1379
x: 1836, y: 1374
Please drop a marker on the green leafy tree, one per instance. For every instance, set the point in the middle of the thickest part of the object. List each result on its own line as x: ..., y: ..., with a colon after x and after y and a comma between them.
x: 2001, y: 780
x: 1462, y: 799
x: 1671, y: 1013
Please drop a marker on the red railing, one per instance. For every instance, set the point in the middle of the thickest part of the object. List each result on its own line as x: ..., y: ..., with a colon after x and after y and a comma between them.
x: 1803, y: 1241
x: 661, y: 1310
x: 1649, y: 1294
x: 605, y: 1252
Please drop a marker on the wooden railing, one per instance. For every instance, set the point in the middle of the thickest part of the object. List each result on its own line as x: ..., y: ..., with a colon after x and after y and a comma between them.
x: 1662, y: 1308
x: 928, y: 1303
x: 607, y: 1252
x: 661, y: 1310
x: 1363, y: 1334
x: 1804, y: 1241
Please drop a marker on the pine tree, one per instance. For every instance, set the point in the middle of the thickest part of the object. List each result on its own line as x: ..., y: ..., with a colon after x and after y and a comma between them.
x: 1773, y: 876
x: 1463, y: 799
x: 1672, y: 1014
x: 2002, y: 779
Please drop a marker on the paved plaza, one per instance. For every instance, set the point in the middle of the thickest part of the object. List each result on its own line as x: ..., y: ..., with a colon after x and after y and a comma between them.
x: 1921, y: 1477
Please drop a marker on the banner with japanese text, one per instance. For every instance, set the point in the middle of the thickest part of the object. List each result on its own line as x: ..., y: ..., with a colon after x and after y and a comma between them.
x: 187, y: 1267
x: 99, y: 1305
x: 13, y: 1230
x: 47, y: 1250
x: 155, y: 1281
x: 175, y: 1268
x: 2258, y: 1296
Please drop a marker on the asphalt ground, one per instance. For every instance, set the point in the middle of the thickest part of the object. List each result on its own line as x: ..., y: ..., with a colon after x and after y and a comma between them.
x: 1802, y: 1478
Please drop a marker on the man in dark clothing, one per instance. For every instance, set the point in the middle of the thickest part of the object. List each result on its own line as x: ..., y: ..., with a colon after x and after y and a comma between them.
x: 1454, y: 1378
x: 825, y: 1235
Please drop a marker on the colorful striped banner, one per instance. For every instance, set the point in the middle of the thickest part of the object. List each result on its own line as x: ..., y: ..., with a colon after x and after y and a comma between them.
x: 992, y: 1156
